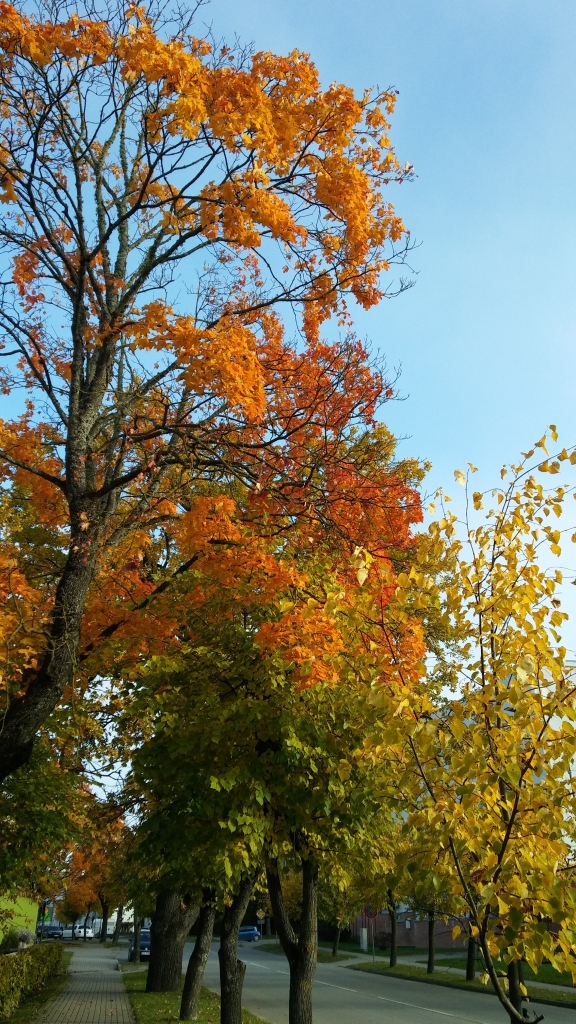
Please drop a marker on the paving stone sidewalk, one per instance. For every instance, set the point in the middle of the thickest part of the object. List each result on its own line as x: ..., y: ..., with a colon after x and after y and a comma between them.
x: 95, y: 992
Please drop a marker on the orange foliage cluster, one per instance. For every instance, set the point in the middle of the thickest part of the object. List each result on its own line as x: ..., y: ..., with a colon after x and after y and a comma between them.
x: 223, y: 468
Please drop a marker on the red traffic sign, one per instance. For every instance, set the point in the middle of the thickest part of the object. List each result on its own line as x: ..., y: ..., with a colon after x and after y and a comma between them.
x: 370, y: 912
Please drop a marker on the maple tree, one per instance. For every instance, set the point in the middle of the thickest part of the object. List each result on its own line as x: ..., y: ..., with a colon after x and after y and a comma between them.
x: 486, y: 773
x: 246, y: 744
x: 163, y: 205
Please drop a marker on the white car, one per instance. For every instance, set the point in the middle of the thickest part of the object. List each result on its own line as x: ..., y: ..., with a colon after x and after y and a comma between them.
x: 77, y: 932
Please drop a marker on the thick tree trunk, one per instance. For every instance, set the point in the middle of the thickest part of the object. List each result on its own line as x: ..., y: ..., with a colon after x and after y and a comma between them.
x: 514, y: 991
x: 431, y: 949
x: 105, y: 910
x: 471, y: 959
x: 393, y: 929
x: 336, y: 942
x: 232, y: 970
x: 118, y: 926
x: 301, y: 951
x: 268, y: 926
x: 172, y: 920
x: 45, y: 686
x: 137, y: 930
x: 197, y: 962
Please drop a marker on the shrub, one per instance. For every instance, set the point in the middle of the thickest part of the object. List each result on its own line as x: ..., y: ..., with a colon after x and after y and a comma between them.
x: 10, y: 939
x: 25, y: 972
x: 383, y: 940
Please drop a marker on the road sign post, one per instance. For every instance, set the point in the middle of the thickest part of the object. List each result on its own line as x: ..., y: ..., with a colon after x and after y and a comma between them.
x: 371, y: 914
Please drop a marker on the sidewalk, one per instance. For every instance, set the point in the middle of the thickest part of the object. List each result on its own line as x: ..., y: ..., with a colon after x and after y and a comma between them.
x: 95, y: 992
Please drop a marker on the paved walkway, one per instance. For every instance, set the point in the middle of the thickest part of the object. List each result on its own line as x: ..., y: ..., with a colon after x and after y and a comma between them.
x: 95, y: 992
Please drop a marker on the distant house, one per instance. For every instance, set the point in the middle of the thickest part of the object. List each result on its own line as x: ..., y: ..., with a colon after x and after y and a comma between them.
x: 412, y: 930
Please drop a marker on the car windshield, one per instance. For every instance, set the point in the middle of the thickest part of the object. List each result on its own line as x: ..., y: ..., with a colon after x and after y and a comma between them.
x: 144, y: 935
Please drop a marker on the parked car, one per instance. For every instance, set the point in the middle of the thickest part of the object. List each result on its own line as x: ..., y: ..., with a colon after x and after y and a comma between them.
x: 80, y: 931
x: 51, y: 930
x: 249, y: 933
x: 144, y: 945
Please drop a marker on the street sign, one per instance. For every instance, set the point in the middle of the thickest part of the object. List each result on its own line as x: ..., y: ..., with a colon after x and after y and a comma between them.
x: 370, y: 912
x: 260, y: 915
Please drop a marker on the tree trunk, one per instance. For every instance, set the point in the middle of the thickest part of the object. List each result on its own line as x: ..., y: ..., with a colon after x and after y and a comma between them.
x: 172, y: 920
x: 393, y: 929
x: 431, y: 950
x: 137, y: 930
x: 514, y: 991
x: 301, y: 952
x: 232, y: 970
x: 268, y: 926
x: 336, y: 942
x: 44, y: 687
x: 471, y: 959
x: 197, y: 962
x: 105, y: 909
x: 118, y: 926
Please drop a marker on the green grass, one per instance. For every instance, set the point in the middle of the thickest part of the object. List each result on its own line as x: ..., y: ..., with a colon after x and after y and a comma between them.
x: 546, y: 972
x: 324, y: 956
x: 443, y: 977
x: 31, y: 1006
x: 354, y: 947
x: 157, y: 1007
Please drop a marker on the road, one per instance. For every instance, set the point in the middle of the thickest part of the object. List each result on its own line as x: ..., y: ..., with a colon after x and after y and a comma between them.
x: 342, y: 996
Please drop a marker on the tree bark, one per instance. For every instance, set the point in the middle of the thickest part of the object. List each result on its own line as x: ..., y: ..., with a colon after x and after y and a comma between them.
x: 514, y: 991
x: 137, y: 930
x: 471, y: 959
x: 232, y: 970
x: 393, y: 929
x: 45, y: 686
x: 301, y: 951
x: 197, y: 962
x: 172, y: 920
x: 268, y: 926
x: 118, y: 926
x: 336, y: 942
x: 105, y: 909
x: 431, y: 949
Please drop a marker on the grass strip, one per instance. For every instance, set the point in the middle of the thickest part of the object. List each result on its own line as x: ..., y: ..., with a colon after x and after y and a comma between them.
x: 157, y: 1007
x: 324, y: 957
x: 546, y: 972
x: 30, y: 1006
x: 384, y: 954
x: 548, y: 996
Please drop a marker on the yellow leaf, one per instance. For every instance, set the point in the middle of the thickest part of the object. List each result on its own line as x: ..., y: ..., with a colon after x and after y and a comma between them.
x: 459, y: 477
x: 456, y: 931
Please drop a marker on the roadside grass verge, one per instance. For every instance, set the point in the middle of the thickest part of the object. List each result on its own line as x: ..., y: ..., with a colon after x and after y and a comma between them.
x: 157, y: 1007
x: 30, y: 1006
x: 546, y: 972
x: 543, y: 995
x: 354, y: 947
x: 324, y: 956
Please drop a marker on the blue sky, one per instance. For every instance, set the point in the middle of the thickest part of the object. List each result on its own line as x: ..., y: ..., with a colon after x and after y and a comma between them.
x: 487, y: 115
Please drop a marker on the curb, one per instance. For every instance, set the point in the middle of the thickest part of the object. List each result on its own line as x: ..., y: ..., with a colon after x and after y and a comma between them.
x: 455, y: 984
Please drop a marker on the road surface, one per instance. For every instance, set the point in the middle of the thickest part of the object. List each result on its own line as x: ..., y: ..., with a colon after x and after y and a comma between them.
x: 342, y: 996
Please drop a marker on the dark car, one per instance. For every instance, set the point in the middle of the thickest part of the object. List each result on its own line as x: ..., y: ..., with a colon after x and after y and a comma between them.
x: 249, y: 933
x: 144, y: 945
x: 50, y: 930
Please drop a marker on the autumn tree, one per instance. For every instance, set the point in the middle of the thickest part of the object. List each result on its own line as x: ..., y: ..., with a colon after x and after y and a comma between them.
x: 164, y: 203
x: 251, y: 745
x: 487, y: 772
x: 44, y: 809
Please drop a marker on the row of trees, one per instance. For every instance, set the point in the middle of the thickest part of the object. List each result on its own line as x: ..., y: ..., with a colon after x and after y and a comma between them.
x: 209, y: 569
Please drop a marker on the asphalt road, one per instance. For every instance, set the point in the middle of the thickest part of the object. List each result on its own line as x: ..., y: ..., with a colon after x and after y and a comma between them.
x: 342, y: 996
